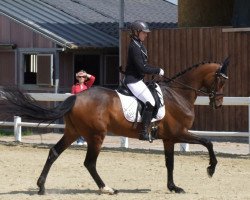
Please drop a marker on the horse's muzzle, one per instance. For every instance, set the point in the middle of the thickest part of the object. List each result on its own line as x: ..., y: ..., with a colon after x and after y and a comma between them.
x: 216, y: 100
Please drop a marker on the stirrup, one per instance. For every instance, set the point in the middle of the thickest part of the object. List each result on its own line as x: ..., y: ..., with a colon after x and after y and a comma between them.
x: 146, y: 137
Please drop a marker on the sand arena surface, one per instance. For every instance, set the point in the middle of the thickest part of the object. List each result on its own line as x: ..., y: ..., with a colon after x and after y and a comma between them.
x: 136, y: 174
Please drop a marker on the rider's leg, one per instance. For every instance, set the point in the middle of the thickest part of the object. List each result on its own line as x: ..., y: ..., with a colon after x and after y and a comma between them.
x: 146, y: 120
x: 141, y: 91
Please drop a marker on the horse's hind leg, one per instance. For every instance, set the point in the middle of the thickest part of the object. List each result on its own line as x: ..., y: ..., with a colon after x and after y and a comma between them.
x: 169, y: 159
x: 193, y: 139
x: 94, y: 148
x: 54, y: 153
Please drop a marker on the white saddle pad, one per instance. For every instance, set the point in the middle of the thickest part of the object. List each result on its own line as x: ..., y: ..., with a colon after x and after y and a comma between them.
x: 129, y: 106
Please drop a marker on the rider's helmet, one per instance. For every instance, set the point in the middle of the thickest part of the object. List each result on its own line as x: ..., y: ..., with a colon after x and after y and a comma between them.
x: 138, y: 26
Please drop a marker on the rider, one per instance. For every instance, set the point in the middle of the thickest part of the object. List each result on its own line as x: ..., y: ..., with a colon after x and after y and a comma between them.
x: 136, y: 69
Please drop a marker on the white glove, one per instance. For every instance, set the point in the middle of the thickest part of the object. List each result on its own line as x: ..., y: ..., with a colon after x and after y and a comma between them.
x: 161, y: 72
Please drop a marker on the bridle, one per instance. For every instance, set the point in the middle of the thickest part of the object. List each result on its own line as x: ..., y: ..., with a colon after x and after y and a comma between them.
x: 211, y: 92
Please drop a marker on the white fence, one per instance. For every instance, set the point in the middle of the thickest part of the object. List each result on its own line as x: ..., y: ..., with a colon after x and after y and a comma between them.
x: 228, y: 101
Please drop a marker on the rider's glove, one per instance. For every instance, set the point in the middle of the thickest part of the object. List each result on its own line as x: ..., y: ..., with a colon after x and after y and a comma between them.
x: 161, y: 72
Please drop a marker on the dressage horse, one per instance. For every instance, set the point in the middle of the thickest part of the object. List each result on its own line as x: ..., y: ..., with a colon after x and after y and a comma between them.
x: 98, y: 110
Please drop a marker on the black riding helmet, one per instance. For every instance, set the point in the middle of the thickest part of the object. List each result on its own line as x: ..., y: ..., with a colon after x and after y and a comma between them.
x: 139, y: 26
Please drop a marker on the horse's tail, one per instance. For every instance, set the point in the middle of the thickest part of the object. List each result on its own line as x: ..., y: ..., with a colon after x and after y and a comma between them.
x: 23, y: 105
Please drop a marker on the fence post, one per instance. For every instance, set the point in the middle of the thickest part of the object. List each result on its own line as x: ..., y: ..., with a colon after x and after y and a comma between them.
x: 184, y: 147
x: 17, y: 128
x: 124, y: 142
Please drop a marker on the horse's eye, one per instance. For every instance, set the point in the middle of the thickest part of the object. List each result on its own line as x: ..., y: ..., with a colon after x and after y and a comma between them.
x: 222, y: 81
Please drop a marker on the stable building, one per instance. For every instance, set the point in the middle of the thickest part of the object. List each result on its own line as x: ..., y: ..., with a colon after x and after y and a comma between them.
x: 43, y: 43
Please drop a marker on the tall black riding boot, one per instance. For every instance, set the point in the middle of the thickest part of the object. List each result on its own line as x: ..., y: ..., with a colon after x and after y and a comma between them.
x: 146, y: 119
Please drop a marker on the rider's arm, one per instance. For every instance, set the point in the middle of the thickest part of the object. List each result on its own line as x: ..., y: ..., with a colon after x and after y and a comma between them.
x: 142, y: 67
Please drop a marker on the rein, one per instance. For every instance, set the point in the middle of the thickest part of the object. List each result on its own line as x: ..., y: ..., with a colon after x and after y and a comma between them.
x: 186, y: 86
x: 212, y: 94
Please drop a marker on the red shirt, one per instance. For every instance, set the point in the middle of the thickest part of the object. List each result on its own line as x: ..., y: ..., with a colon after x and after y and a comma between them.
x: 86, y: 85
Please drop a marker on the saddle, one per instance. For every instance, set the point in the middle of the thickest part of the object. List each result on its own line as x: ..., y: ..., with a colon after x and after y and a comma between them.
x: 123, y: 89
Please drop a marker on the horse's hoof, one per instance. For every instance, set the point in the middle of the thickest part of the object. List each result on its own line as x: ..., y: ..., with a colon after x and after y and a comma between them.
x: 177, y: 190
x: 41, y: 192
x: 107, y: 190
x: 210, y: 171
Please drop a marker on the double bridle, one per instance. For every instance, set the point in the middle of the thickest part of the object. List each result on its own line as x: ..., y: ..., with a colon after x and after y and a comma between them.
x: 211, y: 92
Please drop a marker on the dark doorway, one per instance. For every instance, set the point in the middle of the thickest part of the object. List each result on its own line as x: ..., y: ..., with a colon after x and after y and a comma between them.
x: 30, y: 69
x: 241, y: 15
x: 90, y: 64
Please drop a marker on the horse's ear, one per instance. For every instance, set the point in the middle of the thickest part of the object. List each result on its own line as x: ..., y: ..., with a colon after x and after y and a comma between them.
x: 223, y: 70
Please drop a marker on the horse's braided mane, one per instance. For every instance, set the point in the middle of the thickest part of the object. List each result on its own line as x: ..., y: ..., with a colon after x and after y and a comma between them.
x: 188, y: 69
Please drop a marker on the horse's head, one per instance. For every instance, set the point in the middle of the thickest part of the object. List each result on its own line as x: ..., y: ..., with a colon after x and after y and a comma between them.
x: 211, y: 77
x: 216, y: 83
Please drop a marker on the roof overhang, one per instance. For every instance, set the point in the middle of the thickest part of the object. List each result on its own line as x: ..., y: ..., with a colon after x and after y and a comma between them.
x: 7, y: 46
x: 50, y: 35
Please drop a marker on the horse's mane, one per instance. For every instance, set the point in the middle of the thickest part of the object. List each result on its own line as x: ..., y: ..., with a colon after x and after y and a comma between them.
x: 186, y: 70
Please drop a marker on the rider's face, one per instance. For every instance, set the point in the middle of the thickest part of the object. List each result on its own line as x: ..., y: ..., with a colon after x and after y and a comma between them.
x: 142, y: 35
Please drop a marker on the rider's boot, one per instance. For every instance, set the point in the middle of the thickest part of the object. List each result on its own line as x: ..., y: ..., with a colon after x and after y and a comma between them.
x: 146, y: 119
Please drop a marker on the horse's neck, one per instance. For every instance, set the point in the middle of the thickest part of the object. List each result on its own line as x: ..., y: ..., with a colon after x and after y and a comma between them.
x: 188, y: 84
x: 186, y: 88
x: 178, y: 99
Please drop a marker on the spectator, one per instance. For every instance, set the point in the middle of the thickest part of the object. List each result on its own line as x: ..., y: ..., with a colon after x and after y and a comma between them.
x: 85, y: 81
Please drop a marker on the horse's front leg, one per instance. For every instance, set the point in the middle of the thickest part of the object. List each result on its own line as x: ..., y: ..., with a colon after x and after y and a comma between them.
x: 194, y: 139
x: 94, y: 148
x: 169, y: 159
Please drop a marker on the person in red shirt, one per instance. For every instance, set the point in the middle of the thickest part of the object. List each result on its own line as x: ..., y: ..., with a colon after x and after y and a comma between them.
x: 85, y: 81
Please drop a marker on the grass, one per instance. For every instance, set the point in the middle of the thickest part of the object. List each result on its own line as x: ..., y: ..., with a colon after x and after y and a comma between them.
x: 7, y: 132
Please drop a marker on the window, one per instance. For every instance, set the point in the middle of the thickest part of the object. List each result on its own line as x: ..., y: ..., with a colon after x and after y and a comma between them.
x: 30, y: 68
x: 38, y: 69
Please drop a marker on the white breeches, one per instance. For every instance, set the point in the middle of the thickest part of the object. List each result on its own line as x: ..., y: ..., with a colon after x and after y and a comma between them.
x: 141, y: 91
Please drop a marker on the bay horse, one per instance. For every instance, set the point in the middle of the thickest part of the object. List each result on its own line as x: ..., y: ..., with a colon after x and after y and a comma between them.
x: 96, y: 111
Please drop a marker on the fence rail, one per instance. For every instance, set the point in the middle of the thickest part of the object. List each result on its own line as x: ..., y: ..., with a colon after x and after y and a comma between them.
x: 228, y: 101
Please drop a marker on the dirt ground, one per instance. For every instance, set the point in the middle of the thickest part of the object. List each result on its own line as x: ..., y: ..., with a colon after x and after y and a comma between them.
x: 137, y: 174
x: 239, y: 146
